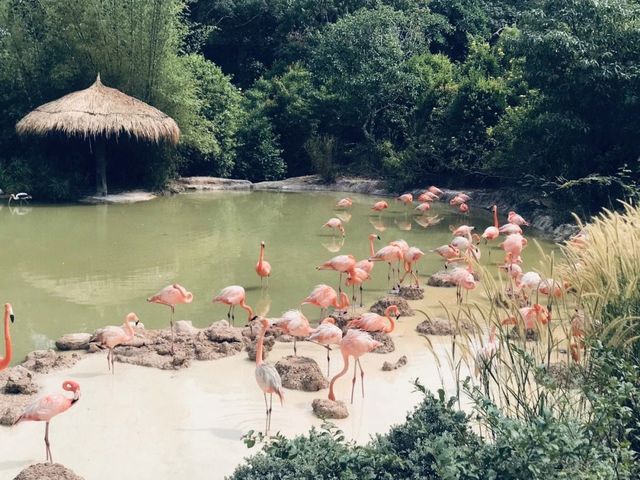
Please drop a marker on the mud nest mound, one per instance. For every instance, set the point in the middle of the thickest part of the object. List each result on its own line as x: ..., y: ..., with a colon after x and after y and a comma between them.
x: 325, y: 408
x: 47, y: 471
x: 381, y: 305
x: 17, y: 389
x: 411, y: 292
x: 388, y: 366
x: 441, y: 326
x: 301, y: 373
x: 386, y: 341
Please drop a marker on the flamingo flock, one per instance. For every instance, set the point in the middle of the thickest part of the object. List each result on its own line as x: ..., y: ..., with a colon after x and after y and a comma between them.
x: 460, y: 256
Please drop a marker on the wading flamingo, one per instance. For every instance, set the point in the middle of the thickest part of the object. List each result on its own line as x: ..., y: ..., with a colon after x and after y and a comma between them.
x: 267, y: 376
x: 8, y: 349
x: 366, y: 264
x: 389, y: 254
x: 406, y: 198
x: 354, y: 344
x: 263, y: 268
x: 233, y: 296
x: 493, y: 232
x: 514, y: 244
x: 110, y: 337
x: 327, y: 334
x: 47, y: 407
x: 357, y: 276
x: 462, y: 230
x: 484, y: 357
x: 463, y: 208
x: 372, y: 322
x: 413, y: 255
x: 423, y: 207
x: 335, y: 224
x: 448, y: 252
x: 324, y: 296
x: 379, y: 206
x: 435, y: 190
x: 341, y: 264
x: 427, y: 197
x: 463, y: 279
x: 172, y: 295
x: 510, y: 229
x: 531, y: 316
x: 294, y: 323
x: 344, y: 203
x: 516, y: 219
x: 456, y: 201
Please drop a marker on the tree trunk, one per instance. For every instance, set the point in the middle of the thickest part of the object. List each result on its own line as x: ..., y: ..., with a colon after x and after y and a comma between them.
x: 101, y: 168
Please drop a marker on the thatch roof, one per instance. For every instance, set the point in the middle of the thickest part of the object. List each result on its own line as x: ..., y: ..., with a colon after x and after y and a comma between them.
x: 100, y: 111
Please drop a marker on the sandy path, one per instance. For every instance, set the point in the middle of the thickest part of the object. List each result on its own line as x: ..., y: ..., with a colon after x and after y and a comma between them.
x: 150, y: 424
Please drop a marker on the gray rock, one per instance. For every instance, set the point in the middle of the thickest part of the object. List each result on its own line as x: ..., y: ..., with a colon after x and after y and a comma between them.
x: 47, y: 471
x: 219, y: 334
x: 325, y: 408
x: 386, y: 340
x: 43, y: 361
x: 411, y: 292
x: 301, y: 373
x: 10, y: 414
x: 381, y: 305
x: 267, y: 347
x: 185, y: 327
x: 440, y: 279
x: 20, y: 381
x: 388, y: 366
x: 441, y: 326
x: 73, y: 341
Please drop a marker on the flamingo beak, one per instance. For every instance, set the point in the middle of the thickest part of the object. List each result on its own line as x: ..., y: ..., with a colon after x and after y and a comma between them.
x: 137, y: 321
x: 12, y: 317
x: 378, y: 237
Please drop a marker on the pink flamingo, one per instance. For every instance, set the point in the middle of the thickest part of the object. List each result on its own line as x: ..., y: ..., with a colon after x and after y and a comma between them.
x: 372, y: 322
x: 448, y: 252
x: 344, y: 203
x: 366, y: 264
x: 514, y: 244
x: 357, y: 276
x: 413, y: 255
x: 233, y: 296
x: 389, y: 254
x: 463, y: 208
x: 510, y: 229
x: 335, y: 224
x: 435, y: 190
x: 354, y: 344
x: 516, y: 219
x: 172, y: 295
x: 423, y: 207
x: 531, y: 316
x: 489, y: 350
x: 463, y: 279
x: 47, y: 407
x: 263, y: 268
x: 294, y: 323
x: 427, y: 197
x: 110, y: 337
x: 267, y: 376
x: 456, y: 201
x: 406, y: 198
x: 491, y: 233
x: 462, y: 230
x: 327, y: 334
x: 341, y: 264
x: 324, y: 296
x: 8, y: 349
x: 379, y: 206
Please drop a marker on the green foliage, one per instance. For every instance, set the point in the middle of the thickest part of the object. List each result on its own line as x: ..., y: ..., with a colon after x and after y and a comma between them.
x: 322, y: 152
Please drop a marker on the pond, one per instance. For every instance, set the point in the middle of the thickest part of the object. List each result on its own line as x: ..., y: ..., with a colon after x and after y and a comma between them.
x: 75, y: 268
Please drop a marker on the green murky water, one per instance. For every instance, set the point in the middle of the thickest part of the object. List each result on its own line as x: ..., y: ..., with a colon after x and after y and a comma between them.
x: 76, y: 268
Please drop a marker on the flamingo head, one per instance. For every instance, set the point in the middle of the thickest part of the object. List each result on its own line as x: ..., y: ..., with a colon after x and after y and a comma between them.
x: 8, y: 309
x: 393, y: 309
x: 374, y: 236
x: 71, y: 386
x: 262, y: 243
x: 132, y: 317
x: 510, y: 320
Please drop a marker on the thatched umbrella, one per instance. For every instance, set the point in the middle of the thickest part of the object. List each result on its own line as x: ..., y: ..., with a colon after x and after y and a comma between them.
x: 101, y: 113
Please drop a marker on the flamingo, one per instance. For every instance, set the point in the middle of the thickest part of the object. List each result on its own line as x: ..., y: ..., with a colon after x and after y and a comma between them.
x: 263, y: 268
x: 327, y: 334
x: 379, y: 206
x: 8, y: 349
x: 516, y: 219
x: 531, y: 316
x: 463, y: 278
x: 172, y: 295
x: 324, y: 296
x: 294, y: 323
x: 335, y: 224
x: 510, y: 229
x: 234, y: 295
x: 354, y: 344
x: 462, y: 230
x: 491, y: 233
x: 404, y: 247
x: 413, y: 255
x: 389, y: 254
x: 514, y: 244
x: 341, y: 264
x: 448, y: 252
x: 435, y: 190
x: 344, y: 203
x: 458, y: 200
x: 463, y: 208
x: 489, y: 350
x: 406, y: 198
x: 357, y: 276
x: 427, y: 196
x: 372, y: 322
x: 423, y: 207
x: 366, y: 264
x: 267, y: 376
x: 47, y: 407
x: 110, y: 337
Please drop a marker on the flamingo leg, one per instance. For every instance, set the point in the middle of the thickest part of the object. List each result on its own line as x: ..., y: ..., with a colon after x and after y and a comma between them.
x: 266, y: 406
x: 340, y: 284
x: 388, y: 275
x: 328, y: 360
x: 229, y: 312
x: 270, y: 409
x: 353, y: 380
x: 295, y: 350
x: 47, y: 444
x: 361, y: 377
x: 113, y: 370
x: 360, y: 296
x: 172, y: 333
x: 109, y: 359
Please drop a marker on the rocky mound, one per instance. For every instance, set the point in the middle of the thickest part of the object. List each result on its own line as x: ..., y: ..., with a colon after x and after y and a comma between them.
x: 388, y: 366
x: 47, y: 471
x: 441, y: 326
x: 411, y: 292
x: 17, y: 389
x: 381, y: 305
x: 301, y: 373
x: 268, y: 346
x: 325, y: 408
x: 44, y: 361
x: 74, y: 341
x: 386, y: 340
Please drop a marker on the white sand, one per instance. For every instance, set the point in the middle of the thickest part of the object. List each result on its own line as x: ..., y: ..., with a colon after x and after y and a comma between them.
x: 144, y: 423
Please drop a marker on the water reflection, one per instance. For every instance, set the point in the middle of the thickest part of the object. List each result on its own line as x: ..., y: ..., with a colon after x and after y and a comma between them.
x: 335, y: 245
x: 345, y: 217
x: 403, y: 224
x: 378, y: 223
x: 427, y: 221
x: 20, y: 210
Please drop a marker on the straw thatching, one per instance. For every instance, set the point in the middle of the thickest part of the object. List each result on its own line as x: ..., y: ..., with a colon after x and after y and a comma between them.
x: 100, y: 111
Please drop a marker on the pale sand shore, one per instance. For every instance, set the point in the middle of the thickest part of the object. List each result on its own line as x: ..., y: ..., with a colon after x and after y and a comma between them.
x: 144, y: 423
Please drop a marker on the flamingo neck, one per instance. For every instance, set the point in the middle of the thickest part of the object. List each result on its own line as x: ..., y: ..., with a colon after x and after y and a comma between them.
x: 247, y: 308
x: 342, y: 303
x: 261, y: 259
x: 129, y: 329
x: 371, y: 250
x: 392, y: 321
x: 4, y: 362
x: 260, y: 345
x: 345, y: 358
x: 495, y: 217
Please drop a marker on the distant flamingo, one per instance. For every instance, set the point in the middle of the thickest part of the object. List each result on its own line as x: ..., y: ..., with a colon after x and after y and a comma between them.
x: 110, y: 337
x: 389, y: 254
x: 427, y: 197
x: 447, y: 252
x: 294, y: 323
x: 510, y: 229
x: 406, y: 198
x: 335, y: 224
x: 234, y: 296
x: 355, y: 344
x: 267, y: 376
x: 172, y: 295
x: 413, y: 255
x: 327, y: 334
x: 516, y: 219
x: 263, y: 268
x: 379, y: 206
x: 423, y: 207
x: 463, y: 208
x: 456, y: 201
x: 47, y: 407
x: 324, y: 296
x: 462, y: 230
x: 357, y: 276
x: 372, y: 322
x: 493, y: 232
x: 435, y: 191
x: 341, y: 264
x: 484, y: 357
x: 8, y: 349
x: 344, y: 203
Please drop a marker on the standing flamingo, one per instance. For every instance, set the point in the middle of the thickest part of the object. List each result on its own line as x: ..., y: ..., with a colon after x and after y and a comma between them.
x: 462, y: 230
x: 335, y: 224
x: 372, y: 322
x: 413, y: 255
x: 267, y: 376
x: 510, y: 229
x: 47, y: 407
x: 491, y: 233
x: 172, y: 295
x: 234, y: 295
x: 110, y: 337
x: 389, y: 254
x: 324, y: 296
x: 8, y: 349
x: 354, y: 344
x: 423, y: 207
x: 294, y: 323
x: 263, y: 268
x: 327, y: 334
x: 516, y: 219
x: 344, y: 203
x: 379, y: 206
x: 406, y: 198
x: 357, y: 276
x: 462, y: 278
x: 435, y: 190
x: 341, y: 264
x: 366, y: 264
x: 484, y: 357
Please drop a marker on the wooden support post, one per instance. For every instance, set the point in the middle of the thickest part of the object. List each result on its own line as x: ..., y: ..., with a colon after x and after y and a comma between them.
x: 101, y: 168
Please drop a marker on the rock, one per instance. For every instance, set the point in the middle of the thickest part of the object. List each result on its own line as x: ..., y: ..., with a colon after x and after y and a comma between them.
x: 388, y: 366
x: 94, y: 348
x: 219, y: 334
x: 251, y: 348
x: 530, y: 335
x: 147, y: 356
x: 564, y: 231
x: 204, y: 184
x: 563, y: 375
x: 386, y: 340
x: 20, y: 381
x: 441, y: 278
x: 441, y: 326
x: 411, y: 292
x: 44, y: 361
x: 325, y: 408
x: 73, y: 341
x: 381, y: 305
x: 47, y: 471
x: 284, y: 338
x: 185, y: 327
x: 301, y: 373
x: 9, y: 414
